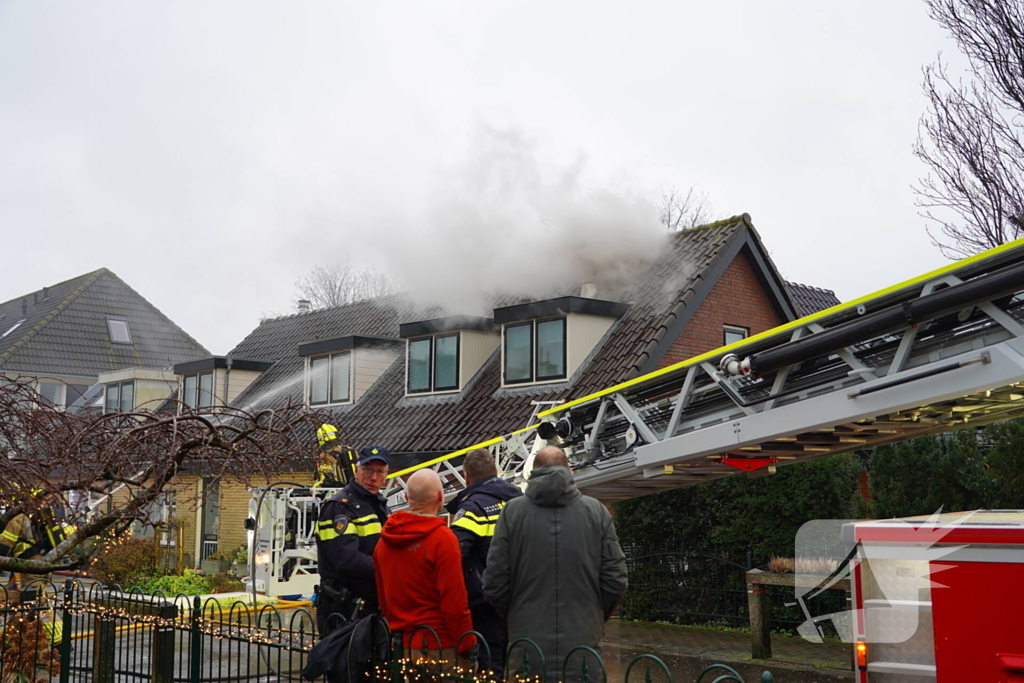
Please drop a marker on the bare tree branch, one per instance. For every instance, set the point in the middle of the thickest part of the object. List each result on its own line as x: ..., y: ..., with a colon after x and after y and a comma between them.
x: 46, y: 454
x: 970, y: 136
x: 327, y: 286
x: 683, y: 210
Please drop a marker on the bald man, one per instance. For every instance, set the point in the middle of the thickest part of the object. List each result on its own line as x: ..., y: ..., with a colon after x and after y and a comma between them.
x: 555, y: 569
x: 419, y: 574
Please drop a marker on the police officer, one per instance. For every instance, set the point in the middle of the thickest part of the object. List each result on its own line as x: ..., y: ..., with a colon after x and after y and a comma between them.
x: 476, y: 511
x: 347, y: 532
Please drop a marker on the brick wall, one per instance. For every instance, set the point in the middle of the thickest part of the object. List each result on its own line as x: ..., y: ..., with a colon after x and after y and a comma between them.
x: 736, y: 299
x: 234, y: 507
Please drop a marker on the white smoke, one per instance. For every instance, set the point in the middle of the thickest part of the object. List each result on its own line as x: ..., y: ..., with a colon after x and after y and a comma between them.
x: 503, y: 219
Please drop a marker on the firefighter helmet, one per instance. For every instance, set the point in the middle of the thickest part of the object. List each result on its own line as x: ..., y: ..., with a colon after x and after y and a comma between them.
x: 326, y: 435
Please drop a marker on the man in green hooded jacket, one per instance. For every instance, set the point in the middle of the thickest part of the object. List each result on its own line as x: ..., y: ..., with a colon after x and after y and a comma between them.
x: 555, y: 569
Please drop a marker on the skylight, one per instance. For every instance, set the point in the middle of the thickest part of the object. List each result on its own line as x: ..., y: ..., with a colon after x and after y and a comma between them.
x: 12, y: 328
x: 119, y: 333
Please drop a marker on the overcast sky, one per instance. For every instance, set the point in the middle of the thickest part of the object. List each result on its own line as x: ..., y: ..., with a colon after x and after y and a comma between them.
x: 211, y: 153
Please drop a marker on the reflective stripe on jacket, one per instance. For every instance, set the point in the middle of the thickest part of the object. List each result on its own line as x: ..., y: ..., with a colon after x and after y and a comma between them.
x: 347, y: 531
x: 477, y: 509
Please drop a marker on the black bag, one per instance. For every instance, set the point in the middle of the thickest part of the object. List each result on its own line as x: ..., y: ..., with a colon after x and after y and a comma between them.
x: 350, y: 652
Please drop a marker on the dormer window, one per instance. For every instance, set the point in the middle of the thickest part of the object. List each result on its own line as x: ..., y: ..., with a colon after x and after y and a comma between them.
x: 443, y: 354
x: 546, y: 341
x: 340, y: 370
x: 119, y: 397
x: 535, y: 351
x: 197, y: 390
x: 330, y: 378
x: 433, y: 363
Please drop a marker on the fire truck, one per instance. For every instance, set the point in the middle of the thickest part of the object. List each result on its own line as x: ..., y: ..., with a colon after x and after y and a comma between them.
x: 937, y: 598
x: 938, y: 352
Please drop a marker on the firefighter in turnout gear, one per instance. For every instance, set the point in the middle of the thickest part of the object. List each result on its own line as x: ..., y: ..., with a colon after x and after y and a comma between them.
x: 28, y: 537
x: 347, y: 532
x: 476, y: 511
x: 335, y: 464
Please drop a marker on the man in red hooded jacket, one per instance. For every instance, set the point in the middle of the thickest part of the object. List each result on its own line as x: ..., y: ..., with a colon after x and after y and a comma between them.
x: 419, y: 574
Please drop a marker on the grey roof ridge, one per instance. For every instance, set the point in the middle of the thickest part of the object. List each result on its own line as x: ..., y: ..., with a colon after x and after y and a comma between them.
x: 9, y: 352
x: 83, y: 276
x: 156, y: 310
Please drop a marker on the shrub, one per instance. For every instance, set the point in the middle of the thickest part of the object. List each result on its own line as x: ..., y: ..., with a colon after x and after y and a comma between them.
x: 124, y: 561
x: 221, y: 583
x: 189, y: 583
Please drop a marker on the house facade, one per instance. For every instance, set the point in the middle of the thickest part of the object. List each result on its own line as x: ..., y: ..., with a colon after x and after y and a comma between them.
x: 425, y: 382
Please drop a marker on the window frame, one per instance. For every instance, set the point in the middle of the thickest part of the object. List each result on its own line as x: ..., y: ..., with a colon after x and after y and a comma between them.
x: 198, y: 390
x: 432, y: 386
x: 430, y: 364
x: 536, y: 349
x: 727, y: 328
x: 535, y: 378
x: 127, y: 329
x: 330, y: 379
x: 120, y: 387
x: 61, y: 401
x: 504, y: 352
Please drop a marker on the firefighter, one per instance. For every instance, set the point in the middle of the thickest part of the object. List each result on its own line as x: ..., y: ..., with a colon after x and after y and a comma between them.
x: 347, y: 532
x: 334, y: 464
x: 30, y: 536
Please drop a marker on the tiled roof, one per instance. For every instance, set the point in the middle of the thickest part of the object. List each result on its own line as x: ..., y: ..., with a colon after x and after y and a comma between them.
x: 431, y: 424
x: 808, y: 299
x: 65, y: 332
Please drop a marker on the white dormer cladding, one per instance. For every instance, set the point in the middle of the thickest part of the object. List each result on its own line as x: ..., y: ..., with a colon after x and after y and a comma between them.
x: 443, y: 354
x: 339, y: 371
x: 216, y: 381
x: 136, y: 389
x: 544, y: 342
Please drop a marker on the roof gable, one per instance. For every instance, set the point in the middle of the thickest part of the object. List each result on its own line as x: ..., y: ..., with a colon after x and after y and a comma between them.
x: 65, y: 330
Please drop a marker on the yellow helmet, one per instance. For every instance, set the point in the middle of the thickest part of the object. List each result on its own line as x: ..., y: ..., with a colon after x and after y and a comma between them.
x: 326, y: 434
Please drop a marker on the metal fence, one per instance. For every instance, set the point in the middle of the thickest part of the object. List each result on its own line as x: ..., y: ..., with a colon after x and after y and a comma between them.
x: 88, y: 634
x: 705, y: 589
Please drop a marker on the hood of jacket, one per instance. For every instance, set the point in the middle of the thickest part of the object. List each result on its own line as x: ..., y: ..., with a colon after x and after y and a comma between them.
x: 495, y: 486
x: 405, y: 528
x: 552, y: 487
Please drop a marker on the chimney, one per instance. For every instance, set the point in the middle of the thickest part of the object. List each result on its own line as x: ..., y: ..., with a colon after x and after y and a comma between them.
x: 24, y: 308
x: 589, y: 290
x: 304, y: 306
x: 46, y: 293
x: 35, y: 298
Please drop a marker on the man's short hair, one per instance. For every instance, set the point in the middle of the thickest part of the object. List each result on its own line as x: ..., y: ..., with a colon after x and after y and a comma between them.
x: 479, y: 464
x: 551, y: 455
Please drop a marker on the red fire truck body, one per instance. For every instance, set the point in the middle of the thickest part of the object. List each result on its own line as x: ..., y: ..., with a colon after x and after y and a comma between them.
x: 939, y: 598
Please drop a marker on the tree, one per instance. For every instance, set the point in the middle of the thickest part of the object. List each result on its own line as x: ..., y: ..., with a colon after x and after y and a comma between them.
x: 682, y: 210
x: 336, y: 285
x: 971, y: 134
x: 47, y: 455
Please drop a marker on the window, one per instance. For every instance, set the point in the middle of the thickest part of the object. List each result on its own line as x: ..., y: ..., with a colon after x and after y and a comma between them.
x: 551, y: 349
x: 52, y: 392
x: 119, y: 397
x: 329, y: 378
x: 433, y: 363
x: 733, y: 334
x: 197, y: 390
x: 535, y: 351
x: 60, y: 394
x: 119, y: 332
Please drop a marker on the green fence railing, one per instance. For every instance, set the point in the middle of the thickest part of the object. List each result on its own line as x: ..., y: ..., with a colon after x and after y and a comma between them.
x: 79, y: 633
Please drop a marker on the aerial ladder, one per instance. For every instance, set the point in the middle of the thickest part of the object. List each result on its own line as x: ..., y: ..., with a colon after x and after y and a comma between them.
x: 938, y: 352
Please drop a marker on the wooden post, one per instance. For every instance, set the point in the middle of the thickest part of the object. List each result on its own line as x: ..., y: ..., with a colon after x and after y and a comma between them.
x: 760, y: 631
